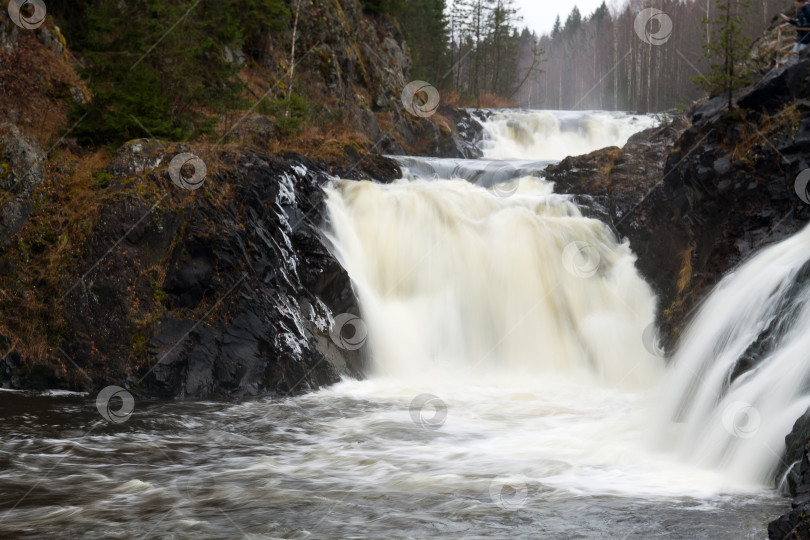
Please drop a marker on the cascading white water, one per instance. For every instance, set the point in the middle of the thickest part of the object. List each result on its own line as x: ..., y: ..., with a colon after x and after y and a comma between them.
x: 510, y: 396
x: 736, y: 417
x: 527, y: 320
x: 455, y: 278
x: 510, y: 134
x: 491, y: 299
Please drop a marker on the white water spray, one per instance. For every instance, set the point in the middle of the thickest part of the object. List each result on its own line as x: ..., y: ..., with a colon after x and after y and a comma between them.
x: 741, y: 376
x: 557, y: 134
x: 456, y: 278
x: 528, y: 321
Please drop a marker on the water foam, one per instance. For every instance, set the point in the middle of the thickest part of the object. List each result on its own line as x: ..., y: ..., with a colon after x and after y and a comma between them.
x: 513, y: 134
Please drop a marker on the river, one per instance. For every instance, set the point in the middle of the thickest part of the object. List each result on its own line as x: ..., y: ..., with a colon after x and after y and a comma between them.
x: 514, y: 389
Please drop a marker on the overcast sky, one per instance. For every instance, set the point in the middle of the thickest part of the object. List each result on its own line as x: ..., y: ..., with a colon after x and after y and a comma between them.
x: 539, y: 15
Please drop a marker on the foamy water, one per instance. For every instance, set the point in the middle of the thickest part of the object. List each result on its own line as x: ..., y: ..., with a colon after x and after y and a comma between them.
x: 513, y: 388
x: 529, y: 134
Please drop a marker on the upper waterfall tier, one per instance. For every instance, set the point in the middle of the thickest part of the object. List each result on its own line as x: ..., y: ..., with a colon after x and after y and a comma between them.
x: 554, y: 135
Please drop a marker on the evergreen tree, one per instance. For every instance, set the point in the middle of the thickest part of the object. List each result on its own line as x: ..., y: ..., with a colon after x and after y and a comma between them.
x: 574, y: 21
x: 150, y: 82
x: 600, y: 13
x: 459, y: 16
x: 727, y: 53
x: 425, y: 27
x: 504, y: 42
x: 478, y: 31
x: 557, y: 27
x: 381, y: 7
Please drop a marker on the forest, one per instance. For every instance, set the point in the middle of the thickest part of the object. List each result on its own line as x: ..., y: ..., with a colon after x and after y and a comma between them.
x: 478, y: 49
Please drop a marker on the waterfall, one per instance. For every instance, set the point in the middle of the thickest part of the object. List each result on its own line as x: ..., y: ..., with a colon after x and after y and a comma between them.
x: 741, y: 375
x: 557, y: 134
x: 453, y: 278
x: 475, y: 279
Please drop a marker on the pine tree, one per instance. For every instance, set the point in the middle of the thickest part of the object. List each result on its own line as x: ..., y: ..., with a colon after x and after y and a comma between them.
x: 141, y: 89
x: 726, y: 54
x: 426, y: 31
x: 557, y: 27
x: 505, y: 44
x: 459, y: 16
x: 478, y: 32
x: 600, y: 13
x: 574, y: 21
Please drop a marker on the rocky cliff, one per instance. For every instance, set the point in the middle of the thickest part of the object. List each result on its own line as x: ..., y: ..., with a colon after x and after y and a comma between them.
x: 700, y: 194
x: 124, y: 267
x: 226, y: 291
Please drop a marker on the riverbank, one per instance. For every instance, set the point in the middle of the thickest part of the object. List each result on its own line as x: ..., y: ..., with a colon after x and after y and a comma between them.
x: 195, y: 269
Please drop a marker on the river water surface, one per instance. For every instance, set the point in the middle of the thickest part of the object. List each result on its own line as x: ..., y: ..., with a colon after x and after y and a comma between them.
x: 513, y: 391
x: 350, y: 462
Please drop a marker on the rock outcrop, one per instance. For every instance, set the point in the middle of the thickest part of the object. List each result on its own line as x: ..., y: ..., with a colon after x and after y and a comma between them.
x: 111, y: 273
x: 21, y: 172
x: 795, y: 524
x: 700, y: 195
x: 222, y: 292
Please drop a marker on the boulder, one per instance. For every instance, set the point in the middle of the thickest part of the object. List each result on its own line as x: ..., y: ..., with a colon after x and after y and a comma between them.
x: 22, y: 163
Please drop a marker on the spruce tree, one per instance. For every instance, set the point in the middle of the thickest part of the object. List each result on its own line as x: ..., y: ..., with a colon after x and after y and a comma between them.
x: 557, y: 27
x: 574, y: 21
x: 727, y: 51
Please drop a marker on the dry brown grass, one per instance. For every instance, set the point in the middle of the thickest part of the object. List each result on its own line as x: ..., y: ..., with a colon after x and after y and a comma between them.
x: 766, y: 128
x: 685, y: 274
x: 64, y: 215
x: 492, y: 101
x: 35, y: 82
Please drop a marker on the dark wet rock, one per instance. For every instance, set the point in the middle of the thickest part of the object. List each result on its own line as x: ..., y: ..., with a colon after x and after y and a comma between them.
x: 778, y: 87
x: 137, y: 156
x: 225, y: 292
x: 469, y: 133
x: 790, y: 472
x: 22, y: 164
x: 795, y: 524
x: 710, y: 110
x: 722, y: 165
x: 701, y: 196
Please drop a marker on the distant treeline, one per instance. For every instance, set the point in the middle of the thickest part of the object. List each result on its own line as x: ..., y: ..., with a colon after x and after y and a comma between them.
x: 596, y: 61
x: 600, y: 62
